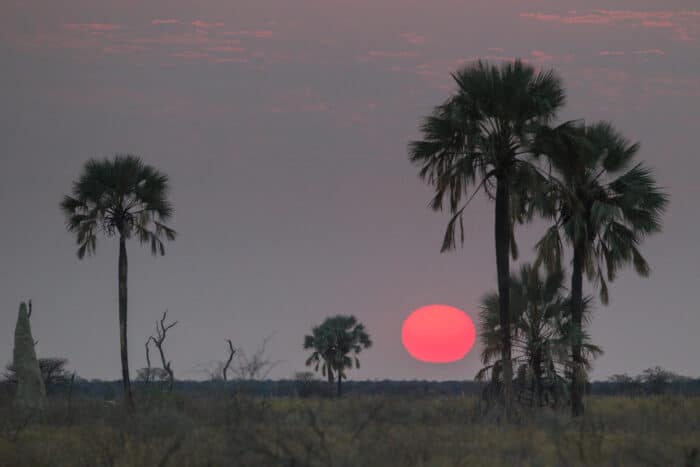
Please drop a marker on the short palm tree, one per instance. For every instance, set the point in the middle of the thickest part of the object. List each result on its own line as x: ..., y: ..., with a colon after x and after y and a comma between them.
x: 604, y: 205
x: 335, y: 344
x: 540, y: 313
x: 126, y: 198
x: 480, y: 137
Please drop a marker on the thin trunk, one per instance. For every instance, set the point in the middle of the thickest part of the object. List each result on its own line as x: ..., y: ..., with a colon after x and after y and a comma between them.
x: 537, y: 372
x: 126, y: 382
x: 148, y: 361
x: 340, y: 379
x: 502, y: 233
x: 166, y: 366
x: 577, y: 375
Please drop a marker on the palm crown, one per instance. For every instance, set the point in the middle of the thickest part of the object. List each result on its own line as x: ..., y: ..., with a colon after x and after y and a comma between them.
x: 335, y: 344
x: 603, y: 204
x: 122, y: 196
x: 483, y: 133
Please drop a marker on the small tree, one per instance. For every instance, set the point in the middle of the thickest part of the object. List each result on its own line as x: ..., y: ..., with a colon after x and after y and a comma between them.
x: 159, y: 340
x: 335, y: 345
x: 53, y: 372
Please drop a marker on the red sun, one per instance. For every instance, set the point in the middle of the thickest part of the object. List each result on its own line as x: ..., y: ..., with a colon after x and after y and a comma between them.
x: 438, y: 334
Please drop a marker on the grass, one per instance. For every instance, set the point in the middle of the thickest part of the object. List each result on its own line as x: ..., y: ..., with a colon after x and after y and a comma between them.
x: 226, y: 430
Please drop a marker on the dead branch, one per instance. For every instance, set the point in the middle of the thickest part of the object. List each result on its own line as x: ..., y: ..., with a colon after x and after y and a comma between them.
x: 232, y: 351
x: 159, y: 339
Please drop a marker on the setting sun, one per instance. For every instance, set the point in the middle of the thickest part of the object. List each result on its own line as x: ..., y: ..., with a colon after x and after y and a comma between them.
x: 438, y: 334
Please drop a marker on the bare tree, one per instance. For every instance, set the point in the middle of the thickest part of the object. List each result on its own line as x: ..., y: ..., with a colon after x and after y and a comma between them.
x: 258, y: 365
x: 231, y: 353
x: 158, y: 340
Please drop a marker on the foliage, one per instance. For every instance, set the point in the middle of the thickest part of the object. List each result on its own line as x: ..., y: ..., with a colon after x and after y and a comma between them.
x: 368, y: 431
x: 482, y: 137
x: 335, y: 344
x: 122, y: 196
x: 541, y: 335
x: 601, y: 200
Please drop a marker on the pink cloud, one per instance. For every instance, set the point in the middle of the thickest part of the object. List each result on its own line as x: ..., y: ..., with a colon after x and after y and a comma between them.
x: 608, y: 53
x: 226, y: 48
x: 540, y: 16
x: 413, y: 38
x: 385, y: 54
x: 165, y: 21
x: 204, y: 25
x: 258, y: 33
x: 190, y: 55
x: 92, y: 27
x: 650, y: 52
x: 685, y: 23
x: 540, y: 56
x: 657, y: 24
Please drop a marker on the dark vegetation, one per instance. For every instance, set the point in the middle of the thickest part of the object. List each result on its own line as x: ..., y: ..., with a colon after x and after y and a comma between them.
x: 232, y: 429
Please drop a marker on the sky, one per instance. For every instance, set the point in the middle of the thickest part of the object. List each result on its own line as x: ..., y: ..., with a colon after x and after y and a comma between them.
x: 283, y: 127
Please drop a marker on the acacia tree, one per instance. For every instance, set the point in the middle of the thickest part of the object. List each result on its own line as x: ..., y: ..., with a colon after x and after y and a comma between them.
x: 53, y: 372
x: 480, y: 138
x: 335, y: 344
x: 603, y: 205
x: 126, y: 198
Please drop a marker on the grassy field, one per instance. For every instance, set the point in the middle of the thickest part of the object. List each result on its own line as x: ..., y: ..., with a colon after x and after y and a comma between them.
x: 355, y: 431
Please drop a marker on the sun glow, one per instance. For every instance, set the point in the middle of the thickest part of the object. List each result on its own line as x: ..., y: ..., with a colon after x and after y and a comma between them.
x: 438, y: 334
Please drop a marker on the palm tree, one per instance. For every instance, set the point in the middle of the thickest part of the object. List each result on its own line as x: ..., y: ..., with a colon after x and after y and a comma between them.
x: 540, y: 313
x: 121, y: 197
x: 603, y: 206
x: 335, y: 345
x: 480, y: 137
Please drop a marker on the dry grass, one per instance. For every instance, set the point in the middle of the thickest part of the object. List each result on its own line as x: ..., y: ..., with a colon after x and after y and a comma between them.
x: 356, y: 431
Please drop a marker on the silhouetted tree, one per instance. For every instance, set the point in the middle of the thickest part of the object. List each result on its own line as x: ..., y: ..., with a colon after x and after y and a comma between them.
x: 159, y: 340
x: 335, y: 344
x: 540, y: 313
x: 480, y: 137
x: 121, y: 197
x: 603, y: 206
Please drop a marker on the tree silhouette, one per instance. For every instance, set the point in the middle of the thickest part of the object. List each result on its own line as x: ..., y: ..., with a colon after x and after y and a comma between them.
x: 121, y: 197
x: 335, y: 344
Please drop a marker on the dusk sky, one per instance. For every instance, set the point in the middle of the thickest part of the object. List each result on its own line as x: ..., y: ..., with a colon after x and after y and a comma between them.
x: 283, y: 125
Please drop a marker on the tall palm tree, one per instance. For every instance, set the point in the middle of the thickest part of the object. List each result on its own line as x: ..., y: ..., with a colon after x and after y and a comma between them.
x: 480, y: 137
x: 126, y: 198
x: 540, y: 313
x: 335, y: 344
x: 604, y: 205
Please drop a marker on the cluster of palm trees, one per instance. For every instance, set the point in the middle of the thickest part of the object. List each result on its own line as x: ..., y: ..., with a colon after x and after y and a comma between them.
x: 540, y: 312
x: 497, y: 134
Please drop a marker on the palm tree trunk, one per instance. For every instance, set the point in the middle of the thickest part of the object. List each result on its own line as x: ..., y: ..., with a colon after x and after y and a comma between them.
x: 126, y: 382
x: 537, y: 371
x: 502, y: 233
x: 340, y: 389
x: 577, y: 378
